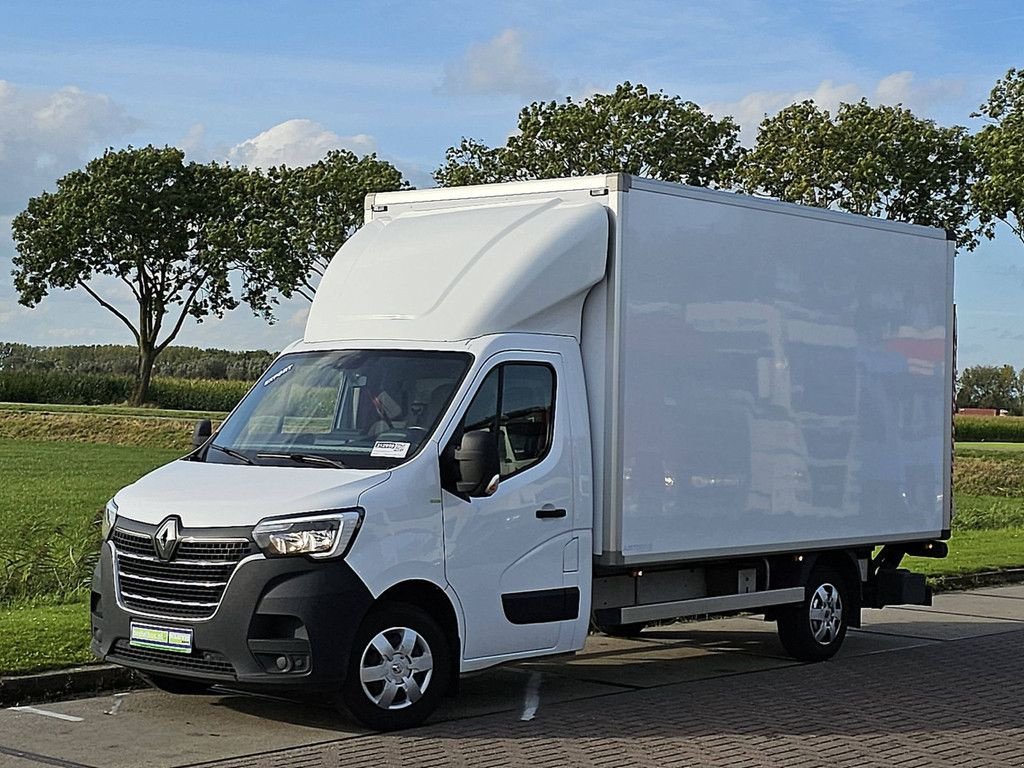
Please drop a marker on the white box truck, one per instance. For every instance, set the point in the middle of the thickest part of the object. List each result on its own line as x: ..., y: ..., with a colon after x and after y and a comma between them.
x: 523, y: 411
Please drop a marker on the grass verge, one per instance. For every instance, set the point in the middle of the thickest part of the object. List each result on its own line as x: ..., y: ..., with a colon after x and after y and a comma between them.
x: 975, y: 552
x: 40, y: 637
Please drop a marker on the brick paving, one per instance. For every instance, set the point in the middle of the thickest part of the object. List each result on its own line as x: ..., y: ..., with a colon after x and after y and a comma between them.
x: 958, y: 703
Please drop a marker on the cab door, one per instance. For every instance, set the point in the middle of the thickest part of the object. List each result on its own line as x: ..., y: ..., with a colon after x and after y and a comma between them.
x: 507, y: 555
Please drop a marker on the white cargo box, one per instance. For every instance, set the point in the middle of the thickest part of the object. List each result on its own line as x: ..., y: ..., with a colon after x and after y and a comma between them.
x: 777, y: 377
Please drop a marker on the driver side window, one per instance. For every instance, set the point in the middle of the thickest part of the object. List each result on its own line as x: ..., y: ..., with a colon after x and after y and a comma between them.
x: 516, y: 403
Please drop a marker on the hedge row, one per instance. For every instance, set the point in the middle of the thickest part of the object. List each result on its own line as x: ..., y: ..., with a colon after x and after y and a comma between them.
x: 997, y: 429
x: 101, y: 389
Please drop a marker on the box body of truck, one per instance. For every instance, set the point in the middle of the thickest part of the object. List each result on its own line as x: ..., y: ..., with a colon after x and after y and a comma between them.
x: 765, y: 378
x: 519, y: 411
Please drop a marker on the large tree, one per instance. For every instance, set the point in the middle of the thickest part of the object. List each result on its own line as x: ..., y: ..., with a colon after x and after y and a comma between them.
x: 990, y: 386
x: 999, y: 192
x: 174, y: 234
x: 873, y: 160
x: 631, y: 130
x: 311, y: 211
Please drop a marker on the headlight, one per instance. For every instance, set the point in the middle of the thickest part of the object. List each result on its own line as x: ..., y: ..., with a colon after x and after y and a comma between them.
x: 109, y: 516
x: 323, y: 535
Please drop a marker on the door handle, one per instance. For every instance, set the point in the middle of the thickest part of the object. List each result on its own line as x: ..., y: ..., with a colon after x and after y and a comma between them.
x: 548, y: 513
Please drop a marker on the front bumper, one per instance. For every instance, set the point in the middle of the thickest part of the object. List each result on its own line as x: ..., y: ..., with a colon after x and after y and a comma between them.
x: 305, y: 612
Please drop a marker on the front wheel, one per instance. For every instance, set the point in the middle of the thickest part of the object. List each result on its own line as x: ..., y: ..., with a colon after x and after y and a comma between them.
x: 815, y: 629
x: 400, y: 668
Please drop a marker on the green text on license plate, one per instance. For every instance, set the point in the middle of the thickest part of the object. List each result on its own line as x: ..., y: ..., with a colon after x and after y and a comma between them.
x: 161, y: 638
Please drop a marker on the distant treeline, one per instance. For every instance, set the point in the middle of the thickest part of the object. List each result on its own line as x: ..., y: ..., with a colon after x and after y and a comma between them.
x: 174, y: 362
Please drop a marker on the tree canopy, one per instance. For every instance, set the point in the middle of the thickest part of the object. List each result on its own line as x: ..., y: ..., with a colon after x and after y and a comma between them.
x: 991, y: 386
x: 632, y: 130
x: 999, y: 191
x: 872, y: 160
x: 312, y: 210
x: 172, y: 233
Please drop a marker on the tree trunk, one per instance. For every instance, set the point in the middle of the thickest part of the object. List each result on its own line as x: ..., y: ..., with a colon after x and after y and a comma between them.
x: 147, y: 356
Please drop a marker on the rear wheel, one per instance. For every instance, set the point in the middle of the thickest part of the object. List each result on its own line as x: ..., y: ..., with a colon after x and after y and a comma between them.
x: 815, y: 629
x: 399, y: 670
x: 175, y: 685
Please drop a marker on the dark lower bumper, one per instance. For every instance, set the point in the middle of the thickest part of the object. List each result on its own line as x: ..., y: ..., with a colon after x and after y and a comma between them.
x: 303, y: 612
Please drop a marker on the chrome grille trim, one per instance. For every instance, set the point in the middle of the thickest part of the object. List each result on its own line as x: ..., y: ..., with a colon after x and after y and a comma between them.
x: 147, y: 558
x: 155, y: 580
x: 162, y: 600
x: 187, y: 589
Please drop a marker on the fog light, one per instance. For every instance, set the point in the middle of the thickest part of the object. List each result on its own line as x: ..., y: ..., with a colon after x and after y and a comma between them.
x: 282, y: 663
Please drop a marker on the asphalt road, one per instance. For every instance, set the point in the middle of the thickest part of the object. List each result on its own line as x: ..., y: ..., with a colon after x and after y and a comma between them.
x: 915, y: 687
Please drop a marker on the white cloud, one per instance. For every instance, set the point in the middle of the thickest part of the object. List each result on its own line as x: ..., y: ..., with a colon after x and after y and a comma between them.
x: 897, y: 88
x: 296, y: 143
x: 903, y: 88
x: 44, y: 134
x: 500, y: 66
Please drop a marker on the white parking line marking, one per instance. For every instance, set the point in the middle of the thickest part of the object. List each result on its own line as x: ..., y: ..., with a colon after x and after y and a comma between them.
x: 117, y: 706
x: 532, y: 699
x: 45, y: 713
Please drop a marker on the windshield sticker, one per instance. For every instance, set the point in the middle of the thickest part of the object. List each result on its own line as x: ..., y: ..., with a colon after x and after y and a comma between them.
x: 278, y: 375
x: 385, y: 449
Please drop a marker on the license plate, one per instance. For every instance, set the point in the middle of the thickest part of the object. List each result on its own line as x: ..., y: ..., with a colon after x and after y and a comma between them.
x: 159, y: 638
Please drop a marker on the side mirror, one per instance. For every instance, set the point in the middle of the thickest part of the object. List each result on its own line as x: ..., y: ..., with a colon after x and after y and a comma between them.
x: 476, y: 465
x: 201, y: 433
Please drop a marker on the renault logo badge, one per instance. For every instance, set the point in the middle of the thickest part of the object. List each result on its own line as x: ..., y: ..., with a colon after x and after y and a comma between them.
x: 166, y: 538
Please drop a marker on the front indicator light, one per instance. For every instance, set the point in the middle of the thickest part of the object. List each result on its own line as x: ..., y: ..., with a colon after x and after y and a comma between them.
x: 109, y: 516
x: 321, y: 536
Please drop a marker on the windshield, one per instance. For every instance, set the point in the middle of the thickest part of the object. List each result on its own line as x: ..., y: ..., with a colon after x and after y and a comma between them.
x: 364, y: 409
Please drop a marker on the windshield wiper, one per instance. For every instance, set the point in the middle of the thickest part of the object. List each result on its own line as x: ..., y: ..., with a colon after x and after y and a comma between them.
x: 304, y: 458
x: 233, y: 454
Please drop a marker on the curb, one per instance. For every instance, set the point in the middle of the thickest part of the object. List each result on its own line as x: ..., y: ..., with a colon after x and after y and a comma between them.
x: 975, y: 580
x: 65, y: 683
x: 103, y: 678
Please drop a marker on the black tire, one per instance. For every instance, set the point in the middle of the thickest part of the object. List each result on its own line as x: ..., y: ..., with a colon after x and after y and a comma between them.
x: 176, y: 685
x: 621, y: 630
x: 413, y: 693
x: 815, y: 629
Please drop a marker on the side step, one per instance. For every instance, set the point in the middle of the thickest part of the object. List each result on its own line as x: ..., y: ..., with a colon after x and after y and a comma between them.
x: 703, y: 605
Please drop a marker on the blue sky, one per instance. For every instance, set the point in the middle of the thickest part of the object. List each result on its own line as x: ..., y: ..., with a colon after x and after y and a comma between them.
x: 261, y: 82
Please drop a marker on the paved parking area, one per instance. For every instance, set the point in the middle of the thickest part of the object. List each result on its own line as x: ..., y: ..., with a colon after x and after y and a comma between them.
x: 915, y: 687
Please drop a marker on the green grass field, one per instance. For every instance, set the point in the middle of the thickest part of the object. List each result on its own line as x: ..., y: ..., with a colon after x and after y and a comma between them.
x: 51, y: 496
x: 111, y: 410
x: 60, y: 464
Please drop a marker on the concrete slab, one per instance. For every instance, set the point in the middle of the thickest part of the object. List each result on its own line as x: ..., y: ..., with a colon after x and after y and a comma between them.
x: 1015, y: 591
x: 933, y: 625
x: 149, y: 728
x: 975, y: 604
x: 9, y: 758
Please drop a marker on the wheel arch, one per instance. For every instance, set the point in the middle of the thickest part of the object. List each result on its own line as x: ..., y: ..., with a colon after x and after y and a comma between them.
x: 432, y: 599
x: 845, y: 562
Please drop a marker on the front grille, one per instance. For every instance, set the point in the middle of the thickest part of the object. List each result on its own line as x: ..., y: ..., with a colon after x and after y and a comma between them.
x: 189, y: 586
x: 206, y: 662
